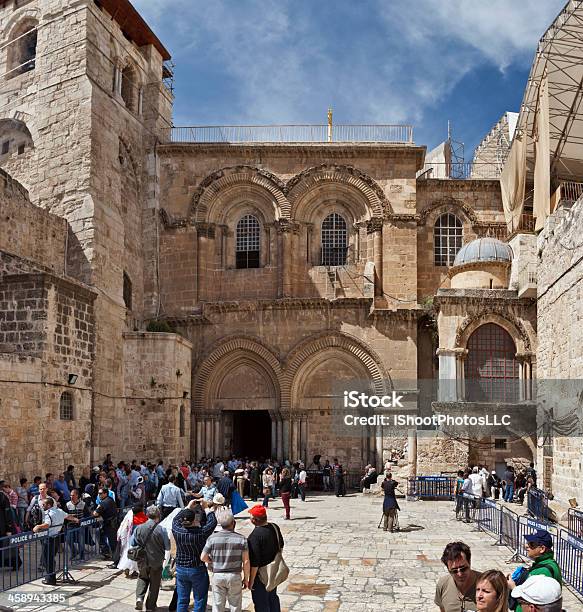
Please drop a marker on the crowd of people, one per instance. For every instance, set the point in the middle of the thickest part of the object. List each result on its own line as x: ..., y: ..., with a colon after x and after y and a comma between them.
x: 478, y: 482
x: 186, y: 501
x: 537, y: 588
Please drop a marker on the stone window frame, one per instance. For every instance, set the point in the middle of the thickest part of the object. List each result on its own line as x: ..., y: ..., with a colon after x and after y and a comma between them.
x: 17, y: 62
x: 251, y: 226
x: 444, y: 251
x: 226, y: 238
x: 314, y: 229
x: 127, y: 290
x: 127, y: 85
x: 66, y: 406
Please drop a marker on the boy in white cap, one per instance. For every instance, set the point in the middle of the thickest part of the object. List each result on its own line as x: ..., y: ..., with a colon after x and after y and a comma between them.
x: 539, y: 594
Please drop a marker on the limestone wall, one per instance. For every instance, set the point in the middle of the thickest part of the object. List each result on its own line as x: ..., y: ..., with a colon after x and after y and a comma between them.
x: 157, y: 373
x: 46, y: 333
x: 559, y: 354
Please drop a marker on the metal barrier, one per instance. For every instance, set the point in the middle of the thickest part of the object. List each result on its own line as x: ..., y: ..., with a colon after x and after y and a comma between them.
x: 431, y: 487
x: 509, y: 528
x: 529, y: 526
x: 538, y: 504
x: 27, y: 557
x: 575, y: 518
x: 569, y: 556
x: 490, y: 517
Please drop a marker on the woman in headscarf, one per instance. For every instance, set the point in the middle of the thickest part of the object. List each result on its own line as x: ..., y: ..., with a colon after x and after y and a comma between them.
x: 132, y: 518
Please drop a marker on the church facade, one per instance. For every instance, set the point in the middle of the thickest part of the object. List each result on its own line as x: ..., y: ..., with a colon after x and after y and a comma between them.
x: 167, y: 295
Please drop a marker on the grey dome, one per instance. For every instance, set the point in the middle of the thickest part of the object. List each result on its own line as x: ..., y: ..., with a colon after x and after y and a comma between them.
x: 483, y: 249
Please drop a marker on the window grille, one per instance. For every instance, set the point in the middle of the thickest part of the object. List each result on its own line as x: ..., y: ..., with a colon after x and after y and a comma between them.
x: 500, y: 444
x: 247, y: 242
x: 66, y: 406
x: 491, y: 368
x: 447, y: 239
x: 334, y: 241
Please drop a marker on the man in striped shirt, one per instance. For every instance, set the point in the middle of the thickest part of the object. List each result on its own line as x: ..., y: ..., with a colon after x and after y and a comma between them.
x: 191, y: 573
x: 227, y: 553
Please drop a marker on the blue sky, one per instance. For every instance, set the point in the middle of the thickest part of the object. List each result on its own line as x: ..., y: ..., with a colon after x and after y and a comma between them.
x: 248, y: 62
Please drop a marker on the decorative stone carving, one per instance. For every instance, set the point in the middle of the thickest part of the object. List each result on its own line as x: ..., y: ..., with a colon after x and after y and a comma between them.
x: 446, y: 204
x: 501, y: 311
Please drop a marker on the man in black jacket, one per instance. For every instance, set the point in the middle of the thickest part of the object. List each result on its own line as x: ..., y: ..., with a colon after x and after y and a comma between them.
x: 265, y: 541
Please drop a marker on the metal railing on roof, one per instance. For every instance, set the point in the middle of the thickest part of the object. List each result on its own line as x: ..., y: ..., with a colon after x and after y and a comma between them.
x: 291, y: 133
x: 461, y: 170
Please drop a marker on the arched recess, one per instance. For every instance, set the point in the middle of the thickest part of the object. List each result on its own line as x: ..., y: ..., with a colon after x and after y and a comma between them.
x: 517, y: 331
x: 21, y: 48
x: 219, y: 187
x: 226, y: 355
x: 15, y: 137
x: 429, y: 215
x: 319, y: 345
x: 305, y: 188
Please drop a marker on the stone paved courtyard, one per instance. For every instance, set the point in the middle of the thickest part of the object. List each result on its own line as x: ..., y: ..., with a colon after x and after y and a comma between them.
x: 338, y: 558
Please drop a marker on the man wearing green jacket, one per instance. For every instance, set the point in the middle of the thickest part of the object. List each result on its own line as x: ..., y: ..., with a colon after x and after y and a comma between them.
x: 540, y: 550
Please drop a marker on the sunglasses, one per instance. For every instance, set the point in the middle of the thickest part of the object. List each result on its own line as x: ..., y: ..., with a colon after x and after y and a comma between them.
x: 459, y: 570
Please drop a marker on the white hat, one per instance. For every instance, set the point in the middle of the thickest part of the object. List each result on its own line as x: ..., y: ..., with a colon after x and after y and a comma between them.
x: 218, y: 499
x: 539, y: 590
x: 475, y: 470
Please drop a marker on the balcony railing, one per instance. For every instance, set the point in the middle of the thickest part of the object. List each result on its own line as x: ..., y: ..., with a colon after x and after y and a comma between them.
x: 290, y: 133
x: 465, y: 170
x: 566, y: 194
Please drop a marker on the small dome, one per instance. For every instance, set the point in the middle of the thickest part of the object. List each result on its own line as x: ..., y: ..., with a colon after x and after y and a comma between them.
x: 483, y: 250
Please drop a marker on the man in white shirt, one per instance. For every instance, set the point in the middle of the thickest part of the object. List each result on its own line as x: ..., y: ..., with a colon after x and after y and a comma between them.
x: 207, y: 491
x: 477, y: 483
x: 53, y: 520
x: 467, y: 495
x: 302, y: 477
x: 169, y: 498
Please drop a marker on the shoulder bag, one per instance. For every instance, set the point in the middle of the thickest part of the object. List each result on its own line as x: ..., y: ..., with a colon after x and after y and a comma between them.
x: 276, y: 572
x: 138, y: 553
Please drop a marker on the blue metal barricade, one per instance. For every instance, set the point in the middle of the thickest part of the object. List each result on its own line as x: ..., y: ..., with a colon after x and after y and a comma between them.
x: 490, y: 517
x: 509, y: 528
x: 27, y: 557
x: 569, y: 556
x: 431, y: 487
x: 538, y: 504
x: 575, y: 522
x: 528, y: 526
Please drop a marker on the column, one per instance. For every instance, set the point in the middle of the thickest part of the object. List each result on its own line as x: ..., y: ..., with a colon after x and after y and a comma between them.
x: 379, y: 448
x: 447, y: 375
x: 273, y: 434
x: 377, y: 228
x: 199, y: 437
x: 218, y: 450
x: 461, y: 355
x: 286, y: 447
x: 280, y: 447
x: 208, y: 441
x: 304, y: 438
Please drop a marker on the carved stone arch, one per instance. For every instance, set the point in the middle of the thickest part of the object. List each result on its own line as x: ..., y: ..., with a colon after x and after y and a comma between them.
x: 507, y: 322
x: 229, y: 349
x: 211, y: 187
x: 445, y: 205
x: 30, y: 13
x: 322, y: 342
x: 311, y: 178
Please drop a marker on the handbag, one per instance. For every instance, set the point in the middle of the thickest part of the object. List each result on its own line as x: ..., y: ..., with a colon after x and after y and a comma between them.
x: 138, y: 553
x: 276, y: 572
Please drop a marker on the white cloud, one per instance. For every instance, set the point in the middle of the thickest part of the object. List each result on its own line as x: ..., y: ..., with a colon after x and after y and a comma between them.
x: 286, y: 61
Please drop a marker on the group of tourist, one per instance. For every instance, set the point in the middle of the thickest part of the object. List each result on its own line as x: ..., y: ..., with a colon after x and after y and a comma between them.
x: 477, y: 482
x: 534, y: 589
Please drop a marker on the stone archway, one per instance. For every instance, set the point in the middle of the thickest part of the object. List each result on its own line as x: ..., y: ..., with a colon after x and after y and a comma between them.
x: 239, y: 376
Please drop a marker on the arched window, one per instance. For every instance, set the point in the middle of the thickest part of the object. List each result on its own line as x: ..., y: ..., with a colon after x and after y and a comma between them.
x: 22, y: 49
x: 334, y: 241
x: 491, y: 369
x: 181, y: 427
x: 127, y: 291
x: 247, y: 242
x: 66, y: 406
x: 129, y: 87
x: 447, y: 239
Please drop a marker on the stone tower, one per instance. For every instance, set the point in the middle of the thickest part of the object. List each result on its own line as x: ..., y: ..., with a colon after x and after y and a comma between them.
x: 82, y: 106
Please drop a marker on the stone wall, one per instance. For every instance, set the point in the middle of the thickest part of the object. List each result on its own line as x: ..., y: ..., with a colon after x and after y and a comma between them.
x: 559, y: 354
x: 47, y: 333
x: 157, y: 371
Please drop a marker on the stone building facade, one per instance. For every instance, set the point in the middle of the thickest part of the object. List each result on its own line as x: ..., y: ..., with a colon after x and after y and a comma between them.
x: 285, y: 272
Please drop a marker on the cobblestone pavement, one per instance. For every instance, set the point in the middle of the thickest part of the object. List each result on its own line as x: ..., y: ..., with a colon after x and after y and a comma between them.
x: 338, y: 558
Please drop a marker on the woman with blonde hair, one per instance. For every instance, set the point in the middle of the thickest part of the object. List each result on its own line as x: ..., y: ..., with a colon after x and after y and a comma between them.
x: 492, y: 592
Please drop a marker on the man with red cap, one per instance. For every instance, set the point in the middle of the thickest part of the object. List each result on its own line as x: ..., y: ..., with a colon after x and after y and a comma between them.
x: 265, y: 541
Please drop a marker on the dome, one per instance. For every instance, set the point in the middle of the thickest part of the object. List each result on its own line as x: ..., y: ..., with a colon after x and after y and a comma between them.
x: 484, y: 250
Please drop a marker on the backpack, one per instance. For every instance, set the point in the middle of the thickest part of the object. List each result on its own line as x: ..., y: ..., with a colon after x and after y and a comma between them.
x: 36, y: 513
